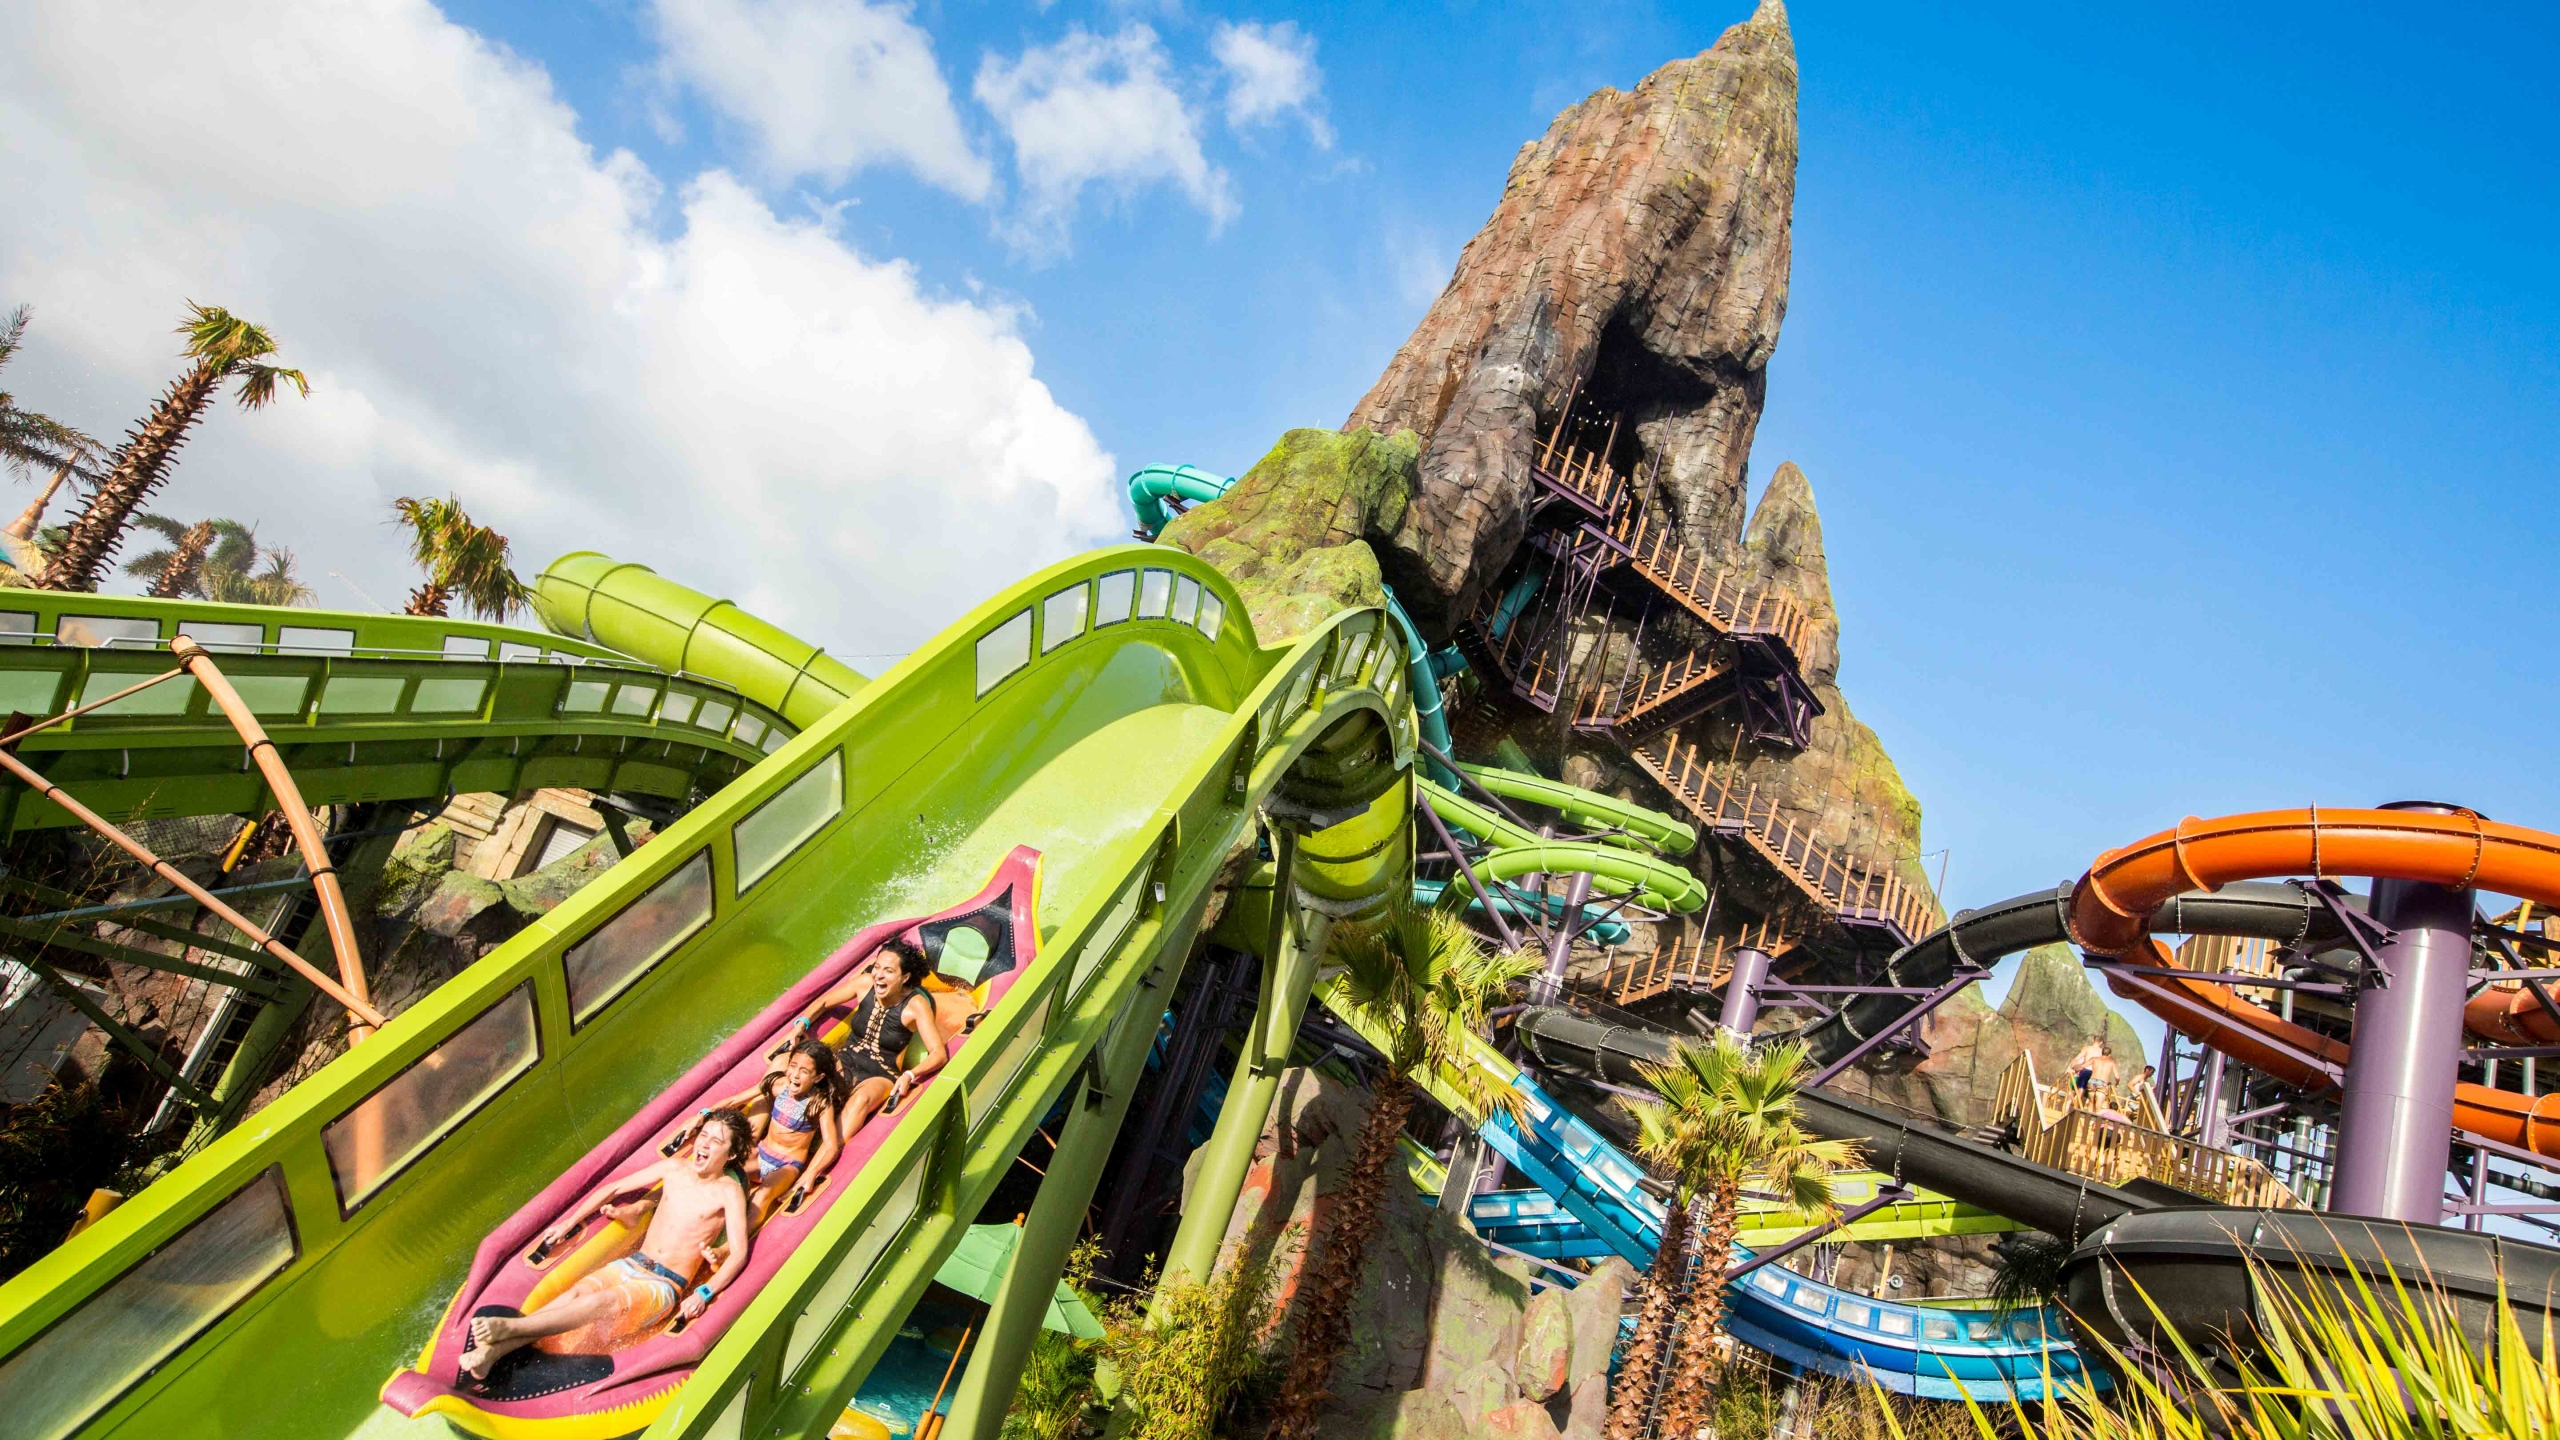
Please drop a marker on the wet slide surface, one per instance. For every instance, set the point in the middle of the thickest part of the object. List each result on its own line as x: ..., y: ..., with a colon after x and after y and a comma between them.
x: 1114, y: 713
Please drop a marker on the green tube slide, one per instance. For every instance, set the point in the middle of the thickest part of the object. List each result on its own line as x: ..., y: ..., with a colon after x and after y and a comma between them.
x: 1600, y: 812
x: 251, y: 1291
x: 631, y: 609
x: 1612, y: 871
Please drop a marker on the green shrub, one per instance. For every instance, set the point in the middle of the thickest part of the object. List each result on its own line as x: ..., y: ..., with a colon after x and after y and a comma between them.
x: 2331, y: 1361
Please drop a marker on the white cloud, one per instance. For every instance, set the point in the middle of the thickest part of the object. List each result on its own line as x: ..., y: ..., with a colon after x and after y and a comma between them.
x: 825, y: 87
x: 1096, y: 109
x: 1271, y: 73
x: 750, y: 405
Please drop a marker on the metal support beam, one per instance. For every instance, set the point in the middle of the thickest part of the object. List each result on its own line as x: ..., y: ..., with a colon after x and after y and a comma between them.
x: 1742, y: 991
x: 1288, y: 975
x: 2396, y: 1117
x: 1885, y: 1195
x: 1049, y: 1230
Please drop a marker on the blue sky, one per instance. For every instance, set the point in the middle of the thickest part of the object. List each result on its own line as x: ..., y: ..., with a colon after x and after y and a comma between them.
x: 2178, y: 388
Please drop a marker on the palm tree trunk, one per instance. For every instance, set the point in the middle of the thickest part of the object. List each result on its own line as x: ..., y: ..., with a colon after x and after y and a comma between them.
x: 429, y: 599
x: 1700, y: 1362
x: 24, y: 527
x: 1640, y: 1374
x: 139, y: 469
x: 1339, y: 1255
x: 178, y: 578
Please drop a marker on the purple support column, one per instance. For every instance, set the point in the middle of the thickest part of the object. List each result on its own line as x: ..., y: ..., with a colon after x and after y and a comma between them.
x: 1560, y: 948
x: 2209, y: 1105
x: 2396, y: 1119
x: 1742, y: 991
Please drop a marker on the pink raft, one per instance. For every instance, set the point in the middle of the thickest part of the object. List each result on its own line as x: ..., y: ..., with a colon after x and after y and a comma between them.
x: 536, y: 1394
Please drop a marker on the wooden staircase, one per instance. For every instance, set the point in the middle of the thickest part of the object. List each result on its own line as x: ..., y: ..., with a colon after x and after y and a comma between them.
x: 1863, y: 895
x: 1709, y: 592
x: 2059, y: 1126
x: 1652, y: 700
x: 1688, y: 963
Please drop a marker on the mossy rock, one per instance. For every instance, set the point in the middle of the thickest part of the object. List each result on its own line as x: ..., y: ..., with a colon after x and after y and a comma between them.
x: 1297, y: 532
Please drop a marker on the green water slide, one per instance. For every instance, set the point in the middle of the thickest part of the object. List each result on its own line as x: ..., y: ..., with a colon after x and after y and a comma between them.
x: 1640, y: 826
x: 1614, y: 869
x: 362, y: 707
x: 1114, y: 712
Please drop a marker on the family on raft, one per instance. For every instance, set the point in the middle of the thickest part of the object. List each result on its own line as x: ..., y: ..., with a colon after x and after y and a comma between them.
x: 734, y: 1161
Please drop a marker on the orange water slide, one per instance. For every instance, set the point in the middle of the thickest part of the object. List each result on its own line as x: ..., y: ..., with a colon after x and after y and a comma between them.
x: 2111, y: 908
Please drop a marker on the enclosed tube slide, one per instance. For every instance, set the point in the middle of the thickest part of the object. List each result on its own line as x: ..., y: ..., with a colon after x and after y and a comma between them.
x: 1515, y: 901
x: 630, y: 608
x: 2114, y: 905
x: 1151, y: 487
x: 1651, y: 828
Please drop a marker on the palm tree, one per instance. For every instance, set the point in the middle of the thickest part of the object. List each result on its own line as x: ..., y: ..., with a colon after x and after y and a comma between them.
x: 1728, y: 1115
x: 275, y: 583
x: 462, y: 560
x: 1423, y: 979
x: 223, y: 347
x: 175, y: 571
x: 1631, y: 1400
x: 29, y: 440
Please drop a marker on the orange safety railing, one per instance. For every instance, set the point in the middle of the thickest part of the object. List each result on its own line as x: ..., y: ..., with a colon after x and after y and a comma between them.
x: 1649, y: 699
x: 2065, y: 1129
x: 1707, y: 590
x: 1730, y: 804
x: 1689, y: 962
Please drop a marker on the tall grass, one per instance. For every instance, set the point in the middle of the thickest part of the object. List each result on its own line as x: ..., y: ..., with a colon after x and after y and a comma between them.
x: 2328, y: 1360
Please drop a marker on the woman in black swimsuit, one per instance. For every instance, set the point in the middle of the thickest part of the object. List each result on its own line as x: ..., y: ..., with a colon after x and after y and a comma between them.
x: 893, y: 1010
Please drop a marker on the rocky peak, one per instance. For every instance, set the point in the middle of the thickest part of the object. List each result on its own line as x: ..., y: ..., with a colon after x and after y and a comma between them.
x: 1783, y: 550
x: 1638, y: 260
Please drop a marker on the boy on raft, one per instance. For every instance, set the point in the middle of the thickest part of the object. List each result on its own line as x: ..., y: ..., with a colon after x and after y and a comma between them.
x: 699, y: 1197
x: 890, y: 1008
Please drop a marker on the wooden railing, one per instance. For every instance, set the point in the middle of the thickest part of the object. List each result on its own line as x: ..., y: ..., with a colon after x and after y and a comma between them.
x: 1688, y: 962
x: 2233, y: 955
x: 1707, y: 590
x: 1651, y: 699
x: 1859, y: 892
x: 2061, y: 1127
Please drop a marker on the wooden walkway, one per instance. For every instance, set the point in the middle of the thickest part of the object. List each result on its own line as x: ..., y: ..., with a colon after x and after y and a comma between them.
x: 1687, y: 963
x: 1859, y: 893
x: 2060, y: 1127
x: 1710, y: 592
x: 1652, y: 700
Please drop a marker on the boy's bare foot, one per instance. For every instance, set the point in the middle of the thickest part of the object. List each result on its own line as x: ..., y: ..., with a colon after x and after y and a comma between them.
x: 484, y: 1334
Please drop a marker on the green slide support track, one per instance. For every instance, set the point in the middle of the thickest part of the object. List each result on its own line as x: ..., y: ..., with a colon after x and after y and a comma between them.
x: 1650, y: 828
x: 1114, y: 712
x: 362, y: 707
x: 1522, y: 851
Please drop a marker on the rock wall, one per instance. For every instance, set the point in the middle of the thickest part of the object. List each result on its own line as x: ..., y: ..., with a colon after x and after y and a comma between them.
x: 2051, y: 1010
x: 1298, y: 532
x: 1448, y: 1340
x: 1639, y: 257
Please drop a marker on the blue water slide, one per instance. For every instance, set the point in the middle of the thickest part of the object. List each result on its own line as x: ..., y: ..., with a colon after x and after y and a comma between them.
x: 1423, y: 673
x: 1516, y: 901
x: 1151, y: 487
x: 1930, y: 1351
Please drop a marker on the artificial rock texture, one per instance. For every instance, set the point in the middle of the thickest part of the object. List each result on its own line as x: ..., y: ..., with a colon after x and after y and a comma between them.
x: 2051, y: 1010
x: 1639, y: 256
x: 1448, y: 1341
x: 1298, y: 532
